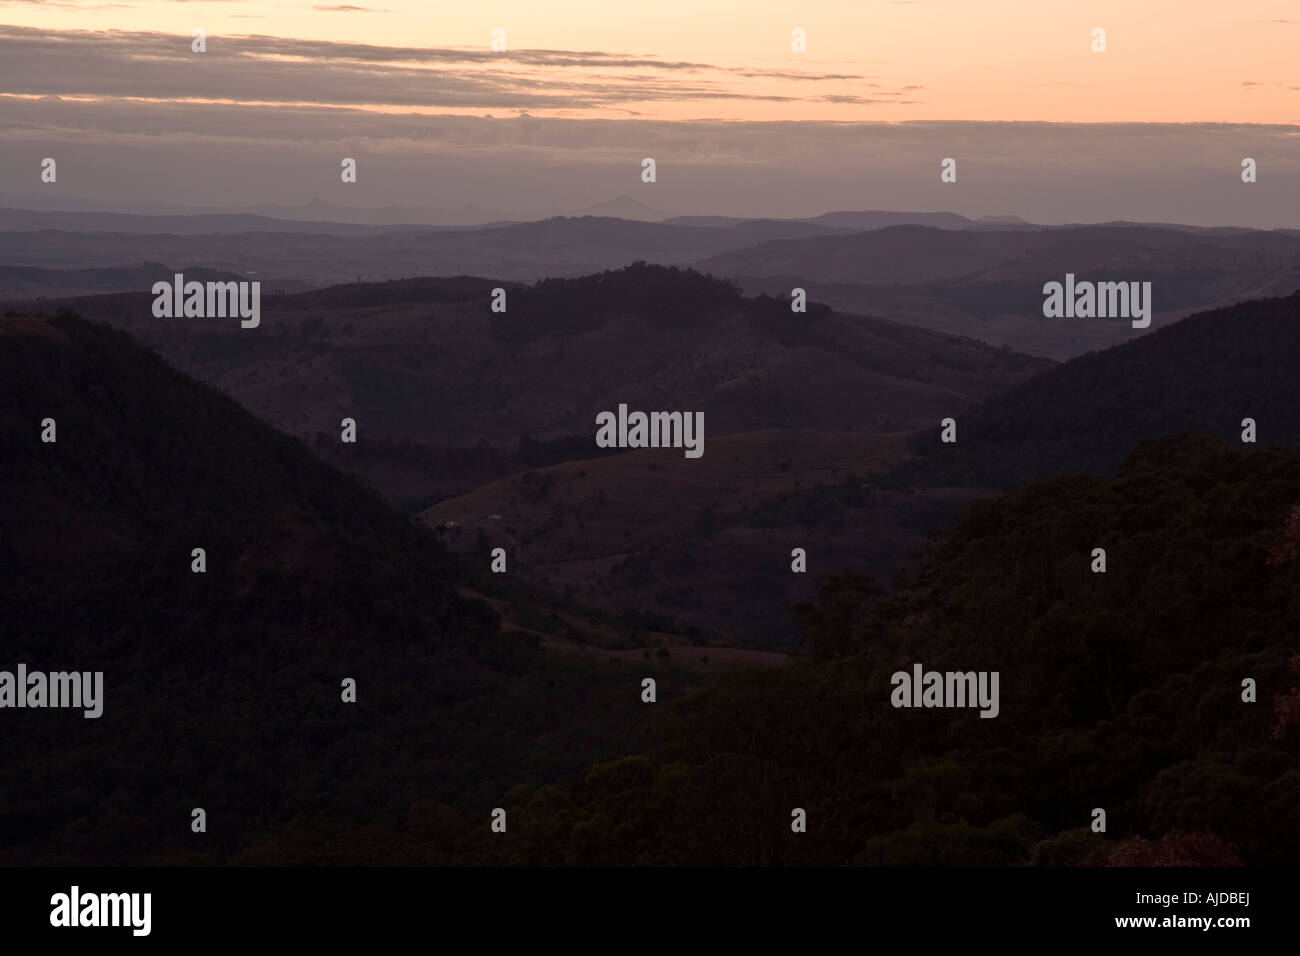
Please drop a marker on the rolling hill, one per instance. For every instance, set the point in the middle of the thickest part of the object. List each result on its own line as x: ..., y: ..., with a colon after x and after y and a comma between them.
x: 329, y: 255
x: 427, y: 362
x: 704, y: 547
x: 988, y: 284
x: 1204, y: 374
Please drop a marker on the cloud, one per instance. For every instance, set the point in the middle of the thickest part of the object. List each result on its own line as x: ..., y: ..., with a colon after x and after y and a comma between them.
x: 159, y: 66
x: 65, y: 4
x: 848, y: 98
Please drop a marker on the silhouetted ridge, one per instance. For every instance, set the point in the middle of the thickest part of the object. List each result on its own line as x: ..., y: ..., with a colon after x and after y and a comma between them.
x: 151, y: 451
x: 666, y: 294
x: 1204, y: 374
x: 112, y: 278
x: 356, y: 295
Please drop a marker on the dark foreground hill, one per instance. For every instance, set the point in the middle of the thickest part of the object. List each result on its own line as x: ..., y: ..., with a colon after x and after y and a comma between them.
x: 1120, y: 691
x: 222, y: 689
x: 1204, y: 374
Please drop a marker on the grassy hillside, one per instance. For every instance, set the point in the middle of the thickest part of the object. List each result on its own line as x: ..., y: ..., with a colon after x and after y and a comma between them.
x: 427, y: 360
x: 705, y: 543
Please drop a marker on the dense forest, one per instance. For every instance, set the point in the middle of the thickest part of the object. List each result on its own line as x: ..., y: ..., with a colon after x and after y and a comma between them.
x: 1119, y: 690
x: 666, y: 294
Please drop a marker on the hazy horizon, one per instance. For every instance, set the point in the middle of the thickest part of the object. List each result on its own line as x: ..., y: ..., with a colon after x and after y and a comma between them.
x: 739, y: 124
x: 317, y: 208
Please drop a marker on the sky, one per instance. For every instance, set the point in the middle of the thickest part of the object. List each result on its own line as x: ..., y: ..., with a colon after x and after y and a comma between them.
x: 738, y: 121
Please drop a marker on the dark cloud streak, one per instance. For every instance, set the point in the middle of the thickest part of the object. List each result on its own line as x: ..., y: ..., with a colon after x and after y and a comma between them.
x: 273, y: 69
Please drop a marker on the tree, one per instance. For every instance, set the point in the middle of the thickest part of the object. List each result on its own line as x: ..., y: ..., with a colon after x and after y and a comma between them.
x: 1178, y: 848
x: 1289, y: 549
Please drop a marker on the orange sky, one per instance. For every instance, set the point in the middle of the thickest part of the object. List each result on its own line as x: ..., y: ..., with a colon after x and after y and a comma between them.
x: 1166, y: 60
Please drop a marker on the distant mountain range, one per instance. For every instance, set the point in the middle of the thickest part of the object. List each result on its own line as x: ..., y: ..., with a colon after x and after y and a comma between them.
x: 939, y: 271
x: 989, y: 284
x: 317, y: 210
x: 331, y: 219
x: 318, y: 215
x: 36, y: 211
x: 29, y: 281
